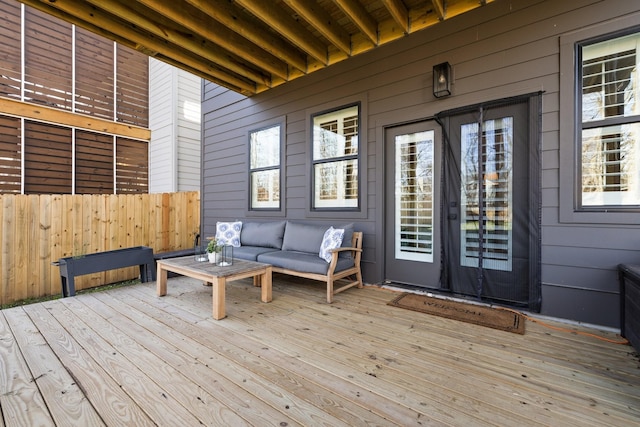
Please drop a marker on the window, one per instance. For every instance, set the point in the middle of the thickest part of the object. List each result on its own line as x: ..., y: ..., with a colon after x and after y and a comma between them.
x: 264, y: 164
x: 335, y: 159
x: 610, y: 125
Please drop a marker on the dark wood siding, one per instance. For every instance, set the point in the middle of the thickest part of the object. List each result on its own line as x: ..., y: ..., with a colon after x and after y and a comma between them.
x: 48, y: 80
x: 94, y: 163
x: 132, y: 166
x: 48, y: 60
x: 132, y: 96
x: 10, y: 59
x: 10, y: 155
x: 501, y: 50
x: 94, y: 75
x: 47, y: 159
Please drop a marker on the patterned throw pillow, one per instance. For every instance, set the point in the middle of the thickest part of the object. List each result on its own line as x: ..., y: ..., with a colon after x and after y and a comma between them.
x: 332, y: 239
x: 229, y: 233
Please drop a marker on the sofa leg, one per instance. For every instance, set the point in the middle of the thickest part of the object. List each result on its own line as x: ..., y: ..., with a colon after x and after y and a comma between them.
x: 329, y: 291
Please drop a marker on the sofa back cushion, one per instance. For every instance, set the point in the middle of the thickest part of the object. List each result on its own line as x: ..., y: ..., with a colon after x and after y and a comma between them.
x: 302, y: 237
x: 264, y: 234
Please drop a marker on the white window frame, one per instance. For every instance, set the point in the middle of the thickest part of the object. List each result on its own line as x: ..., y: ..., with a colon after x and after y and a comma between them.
x: 273, y: 169
x: 340, y: 160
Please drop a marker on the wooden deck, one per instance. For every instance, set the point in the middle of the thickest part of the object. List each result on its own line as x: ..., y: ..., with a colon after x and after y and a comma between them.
x: 127, y: 357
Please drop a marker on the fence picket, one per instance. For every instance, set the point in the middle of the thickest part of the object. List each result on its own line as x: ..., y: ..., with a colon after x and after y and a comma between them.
x: 39, y: 229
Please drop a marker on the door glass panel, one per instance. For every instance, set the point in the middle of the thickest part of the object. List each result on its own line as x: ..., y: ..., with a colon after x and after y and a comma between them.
x: 486, y: 195
x: 414, y: 196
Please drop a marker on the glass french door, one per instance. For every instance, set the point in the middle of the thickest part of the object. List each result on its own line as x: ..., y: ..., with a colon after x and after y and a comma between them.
x: 491, y: 240
x: 412, y: 229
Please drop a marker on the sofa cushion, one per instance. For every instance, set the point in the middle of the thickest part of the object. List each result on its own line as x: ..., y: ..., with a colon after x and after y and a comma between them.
x: 302, y: 237
x: 265, y: 234
x: 303, y: 262
x: 332, y: 239
x: 250, y: 253
x: 228, y: 233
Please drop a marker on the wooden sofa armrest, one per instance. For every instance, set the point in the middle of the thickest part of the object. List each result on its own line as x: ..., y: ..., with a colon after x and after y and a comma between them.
x: 342, y: 249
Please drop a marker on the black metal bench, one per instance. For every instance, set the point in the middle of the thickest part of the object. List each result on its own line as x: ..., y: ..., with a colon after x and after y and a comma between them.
x: 70, y: 267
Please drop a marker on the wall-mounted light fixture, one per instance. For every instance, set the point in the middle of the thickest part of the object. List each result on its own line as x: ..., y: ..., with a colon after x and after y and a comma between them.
x: 442, y: 80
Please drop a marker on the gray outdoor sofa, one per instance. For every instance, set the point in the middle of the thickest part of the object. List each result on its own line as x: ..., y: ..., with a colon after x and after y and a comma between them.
x: 293, y: 248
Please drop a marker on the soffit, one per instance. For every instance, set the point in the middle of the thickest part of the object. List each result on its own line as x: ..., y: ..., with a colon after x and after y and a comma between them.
x: 250, y: 46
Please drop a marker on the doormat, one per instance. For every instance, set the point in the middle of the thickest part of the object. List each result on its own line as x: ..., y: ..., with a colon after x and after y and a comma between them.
x: 504, y: 320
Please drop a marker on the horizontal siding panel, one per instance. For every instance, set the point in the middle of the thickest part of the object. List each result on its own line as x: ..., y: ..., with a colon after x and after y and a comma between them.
x: 10, y: 47
x: 48, y: 61
x: 94, y: 75
x: 582, y: 278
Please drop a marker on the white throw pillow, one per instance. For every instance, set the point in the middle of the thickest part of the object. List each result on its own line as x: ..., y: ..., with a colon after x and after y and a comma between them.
x: 229, y: 233
x: 332, y: 239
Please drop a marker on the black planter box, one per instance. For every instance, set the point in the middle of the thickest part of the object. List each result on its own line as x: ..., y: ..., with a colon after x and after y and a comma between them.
x: 70, y: 267
x: 630, y: 303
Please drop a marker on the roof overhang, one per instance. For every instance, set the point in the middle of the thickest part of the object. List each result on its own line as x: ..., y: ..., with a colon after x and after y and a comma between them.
x: 250, y: 46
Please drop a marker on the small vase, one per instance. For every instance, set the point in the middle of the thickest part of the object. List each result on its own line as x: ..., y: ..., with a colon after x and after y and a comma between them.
x: 214, y: 257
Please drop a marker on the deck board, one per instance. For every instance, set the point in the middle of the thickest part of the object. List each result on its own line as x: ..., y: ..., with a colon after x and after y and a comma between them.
x: 127, y: 357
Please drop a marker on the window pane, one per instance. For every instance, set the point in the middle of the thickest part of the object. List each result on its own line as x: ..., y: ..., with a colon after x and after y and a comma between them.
x: 610, y: 152
x: 335, y: 134
x: 336, y: 184
x: 487, y: 166
x: 414, y: 196
x: 610, y: 79
x: 335, y: 158
x: 610, y: 166
x: 265, y: 147
x: 265, y: 189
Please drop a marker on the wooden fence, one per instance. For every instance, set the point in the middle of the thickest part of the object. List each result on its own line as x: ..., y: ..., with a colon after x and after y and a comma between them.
x: 39, y: 229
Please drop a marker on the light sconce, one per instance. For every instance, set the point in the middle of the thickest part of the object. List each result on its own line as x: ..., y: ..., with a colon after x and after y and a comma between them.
x: 442, y: 80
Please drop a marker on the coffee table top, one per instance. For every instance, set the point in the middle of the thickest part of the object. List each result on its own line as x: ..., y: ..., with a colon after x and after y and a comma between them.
x: 189, y: 263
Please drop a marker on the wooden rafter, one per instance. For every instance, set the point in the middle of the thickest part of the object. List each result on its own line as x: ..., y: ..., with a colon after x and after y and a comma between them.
x: 250, y: 46
x: 399, y: 13
x: 321, y: 21
x: 358, y: 14
x: 438, y: 5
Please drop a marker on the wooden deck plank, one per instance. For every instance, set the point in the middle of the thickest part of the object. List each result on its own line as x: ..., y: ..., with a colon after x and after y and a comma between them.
x: 20, y: 398
x: 300, y: 361
x: 515, y: 358
x: 368, y: 356
x: 141, y: 350
x: 114, y: 405
x: 566, y: 402
x: 151, y: 397
x: 64, y: 399
x: 175, y: 348
x: 294, y: 389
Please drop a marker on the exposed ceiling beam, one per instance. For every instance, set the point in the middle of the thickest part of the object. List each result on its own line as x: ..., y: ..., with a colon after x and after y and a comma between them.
x: 438, y: 5
x: 311, y: 12
x: 360, y: 17
x: 198, y: 22
x: 399, y: 13
x: 201, y: 47
x: 224, y: 12
x: 250, y: 46
x: 288, y: 27
x: 83, y: 13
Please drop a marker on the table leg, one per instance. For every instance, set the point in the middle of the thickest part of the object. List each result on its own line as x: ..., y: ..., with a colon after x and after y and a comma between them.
x: 161, y: 281
x: 265, y: 280
x: 218, y: 288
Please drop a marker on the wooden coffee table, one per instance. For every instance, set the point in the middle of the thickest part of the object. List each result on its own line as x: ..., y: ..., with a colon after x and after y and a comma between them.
x: 217, y: 276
